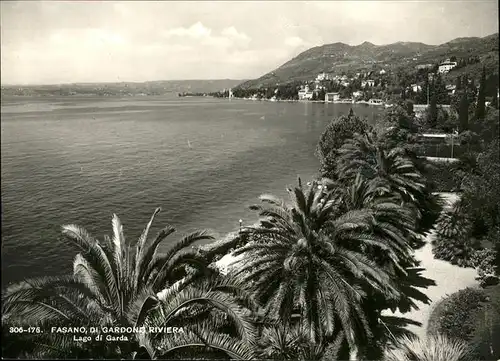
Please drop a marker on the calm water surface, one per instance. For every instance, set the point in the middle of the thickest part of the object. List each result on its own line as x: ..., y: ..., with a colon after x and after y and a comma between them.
x: 204, y: 161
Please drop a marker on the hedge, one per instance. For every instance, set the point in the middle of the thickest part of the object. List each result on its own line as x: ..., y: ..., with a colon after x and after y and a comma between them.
x: 473, y: 316
x: 443, y: 177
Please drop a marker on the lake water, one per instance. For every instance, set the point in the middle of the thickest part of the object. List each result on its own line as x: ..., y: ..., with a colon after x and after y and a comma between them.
x: 203, y: 160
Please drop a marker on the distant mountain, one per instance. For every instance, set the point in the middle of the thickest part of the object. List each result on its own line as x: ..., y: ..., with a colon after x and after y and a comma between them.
x: 125, y: 88
x: 339, y: 57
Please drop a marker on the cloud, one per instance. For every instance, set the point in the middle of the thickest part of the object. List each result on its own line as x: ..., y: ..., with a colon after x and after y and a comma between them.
x: 232, y: 33
x: 47, y: 42
x: 197, y: 31
x: 217, y: 42
x: 294, y: 41
x: 196, y: 51
x: 200, y: 34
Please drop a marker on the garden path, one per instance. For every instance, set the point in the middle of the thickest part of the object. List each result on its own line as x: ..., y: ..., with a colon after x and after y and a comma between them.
x: 449, y: 278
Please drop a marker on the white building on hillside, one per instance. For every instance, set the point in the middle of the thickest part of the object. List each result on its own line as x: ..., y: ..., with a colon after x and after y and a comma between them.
x: 446, y: 66
x: 382, y: 72
x: 367, y: 83
x: 416, y: 88
x: 322, y: 76
x: 317, y: 85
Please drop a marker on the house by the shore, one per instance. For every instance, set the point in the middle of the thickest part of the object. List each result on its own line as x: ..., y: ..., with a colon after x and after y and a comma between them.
x: 332, y: 97
x: 376, y: 102
x: 305, y: 93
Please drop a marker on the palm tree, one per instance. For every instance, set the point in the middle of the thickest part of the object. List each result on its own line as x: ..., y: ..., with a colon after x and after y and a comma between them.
x: 307, y: 259
x: 113, y: 285
x: 394, y: 171
x: 389, y: 169
x: 394, y: 225
x: 391, y: 222
x: 434, y: 348
x: 109, y: 274
x: 453, y: 241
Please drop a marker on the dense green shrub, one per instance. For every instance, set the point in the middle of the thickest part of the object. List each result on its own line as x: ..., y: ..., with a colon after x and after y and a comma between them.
x: 482, y: 190
x: 486, y: 338
x: 473, y: 316
x: 443, y: 177
x: 448, y: 176
x: 332, y: 139
x: 456, y: 251
x: 484, y: 262
x: 455, y: 316
x: 453, y: 242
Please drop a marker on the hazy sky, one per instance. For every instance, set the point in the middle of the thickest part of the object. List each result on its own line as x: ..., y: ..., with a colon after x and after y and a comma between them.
x: 91, y: 41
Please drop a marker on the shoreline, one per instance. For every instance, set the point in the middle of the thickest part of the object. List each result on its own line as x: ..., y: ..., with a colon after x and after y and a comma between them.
x: 310, y: 101
x: 225, y: 262
x: 190, y: 96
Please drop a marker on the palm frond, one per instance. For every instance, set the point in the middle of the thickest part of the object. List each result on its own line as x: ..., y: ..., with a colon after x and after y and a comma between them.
x: 139, y: 248
x: 202, y: 337
x: 147, y: 253
x: 434, y: 348
x: 186, y: 241
x: 118, y: 245
x: 96, y: 257
x: 204, y: 295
